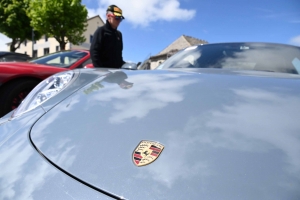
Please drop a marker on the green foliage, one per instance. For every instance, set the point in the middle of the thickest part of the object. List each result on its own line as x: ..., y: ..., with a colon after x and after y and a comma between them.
x: 14, y: 22
x: 65, y: 20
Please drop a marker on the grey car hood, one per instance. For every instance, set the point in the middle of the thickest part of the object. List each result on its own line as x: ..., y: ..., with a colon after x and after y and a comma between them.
x: 225, y: 136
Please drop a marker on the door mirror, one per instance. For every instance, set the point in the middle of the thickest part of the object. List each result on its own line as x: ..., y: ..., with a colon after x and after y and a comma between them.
x: 130, y: 66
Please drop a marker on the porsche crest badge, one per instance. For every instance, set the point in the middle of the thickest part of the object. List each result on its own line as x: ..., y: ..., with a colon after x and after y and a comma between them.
x: 146, y: 152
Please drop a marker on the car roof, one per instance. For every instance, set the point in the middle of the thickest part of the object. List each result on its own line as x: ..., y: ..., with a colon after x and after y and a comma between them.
x: 250, y: 43
x: 3, y: 53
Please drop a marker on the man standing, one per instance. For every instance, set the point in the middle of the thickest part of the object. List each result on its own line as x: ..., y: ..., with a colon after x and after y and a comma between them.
x: 107, y: 44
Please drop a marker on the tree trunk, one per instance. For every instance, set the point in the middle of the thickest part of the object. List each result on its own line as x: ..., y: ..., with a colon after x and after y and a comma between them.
x: 62, y: 45
x: 13, y: 46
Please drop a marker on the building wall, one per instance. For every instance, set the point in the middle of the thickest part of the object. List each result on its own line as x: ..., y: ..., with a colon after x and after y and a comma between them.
x: 93, y: 24
x: 45, y: 46
x: 156, y: 62
x: 26, y: 48
x: 41, y: 46
x: 180, y: 43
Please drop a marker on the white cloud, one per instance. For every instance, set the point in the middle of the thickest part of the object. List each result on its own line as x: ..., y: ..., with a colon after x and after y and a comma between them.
x: 136, y: 12
x: 142, y: 13
x: 3, y: 41
x: 295, y: 40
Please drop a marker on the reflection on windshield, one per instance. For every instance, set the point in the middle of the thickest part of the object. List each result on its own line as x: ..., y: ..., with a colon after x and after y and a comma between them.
x: 60, y: 59
x: 243, y: 56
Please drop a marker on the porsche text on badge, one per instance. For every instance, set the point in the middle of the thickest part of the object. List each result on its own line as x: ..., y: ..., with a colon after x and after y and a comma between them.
x: 146, y: 152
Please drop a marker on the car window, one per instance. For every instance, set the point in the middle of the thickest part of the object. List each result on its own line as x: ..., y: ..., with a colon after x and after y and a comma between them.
x: 258, y: 57
x: 88, y: 61
x: 61, y: 59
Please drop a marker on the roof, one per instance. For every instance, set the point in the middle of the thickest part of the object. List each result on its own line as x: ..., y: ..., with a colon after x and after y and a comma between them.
x: 194, y: 41
x: 183, y: 42
x: 95, y: 17
x: 2, y: 53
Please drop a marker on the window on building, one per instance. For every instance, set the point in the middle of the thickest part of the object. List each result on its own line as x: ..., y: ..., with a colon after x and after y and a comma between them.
x: 57, y: 48
x: 91, y: 38
x: 34, y: 54
x: 25, y: 43
x: 46, y: 38
x: 46, y: 51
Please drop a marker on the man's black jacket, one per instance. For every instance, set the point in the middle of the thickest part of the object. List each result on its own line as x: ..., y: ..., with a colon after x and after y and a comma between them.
x: 106, y: 48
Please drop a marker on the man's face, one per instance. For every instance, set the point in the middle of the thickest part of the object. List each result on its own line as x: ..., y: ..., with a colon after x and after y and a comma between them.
x: 113, y: 21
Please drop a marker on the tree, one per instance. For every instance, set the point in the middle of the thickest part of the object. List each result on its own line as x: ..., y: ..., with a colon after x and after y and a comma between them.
x: 14, y: 23
x: 65, y: 20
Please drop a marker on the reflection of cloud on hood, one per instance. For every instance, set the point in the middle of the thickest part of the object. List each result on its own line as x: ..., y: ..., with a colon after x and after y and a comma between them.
x: 13, y: 158
x: 71, y: 103
x: 8, y: 177
x: 36, y: 179
x: 151, y: 92
x: 147, y: 11
x: 256, y: 123
x: 262, y: 120
x: 173, y: 169
x: 63, y: 153
x: 18, y: 179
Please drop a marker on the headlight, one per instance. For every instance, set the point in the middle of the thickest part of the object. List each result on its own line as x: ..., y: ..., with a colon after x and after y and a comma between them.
x: 44, y: 91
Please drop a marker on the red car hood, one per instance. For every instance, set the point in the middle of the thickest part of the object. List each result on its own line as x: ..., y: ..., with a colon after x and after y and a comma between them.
x: 27, y: 66
x: 9, y: 70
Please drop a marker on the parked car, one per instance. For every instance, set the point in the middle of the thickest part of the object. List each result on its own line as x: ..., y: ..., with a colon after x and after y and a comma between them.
x: 17, y: 79
x: 6, y: 56
x: 227, y: 131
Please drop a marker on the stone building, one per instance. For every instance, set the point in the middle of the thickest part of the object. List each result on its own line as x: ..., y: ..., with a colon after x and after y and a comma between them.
x: 180, y: 43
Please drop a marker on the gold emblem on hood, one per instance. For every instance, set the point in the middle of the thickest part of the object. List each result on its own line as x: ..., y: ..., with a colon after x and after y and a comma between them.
x: 146, y: 152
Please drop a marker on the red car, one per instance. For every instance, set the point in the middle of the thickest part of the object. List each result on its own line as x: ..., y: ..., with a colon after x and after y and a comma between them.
x: 17, y: 79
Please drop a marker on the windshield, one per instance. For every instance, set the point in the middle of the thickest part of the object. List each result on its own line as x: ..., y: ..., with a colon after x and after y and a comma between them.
x: 244, y: 56
x: 62, y: 59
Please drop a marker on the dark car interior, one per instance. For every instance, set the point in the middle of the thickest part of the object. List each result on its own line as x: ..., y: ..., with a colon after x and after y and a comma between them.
x: 13, y: 57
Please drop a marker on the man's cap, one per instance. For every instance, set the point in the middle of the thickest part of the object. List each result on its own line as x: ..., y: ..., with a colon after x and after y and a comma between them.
x: 115, y: 10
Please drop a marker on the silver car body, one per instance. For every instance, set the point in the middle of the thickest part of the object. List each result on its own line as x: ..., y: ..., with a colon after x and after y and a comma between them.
x: 227, y: 134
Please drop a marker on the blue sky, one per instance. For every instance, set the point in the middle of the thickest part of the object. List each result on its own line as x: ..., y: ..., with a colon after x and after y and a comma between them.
x: 152, y: 25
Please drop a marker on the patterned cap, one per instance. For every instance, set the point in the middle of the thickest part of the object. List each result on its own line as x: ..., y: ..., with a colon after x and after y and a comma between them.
x: 115, y: 10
